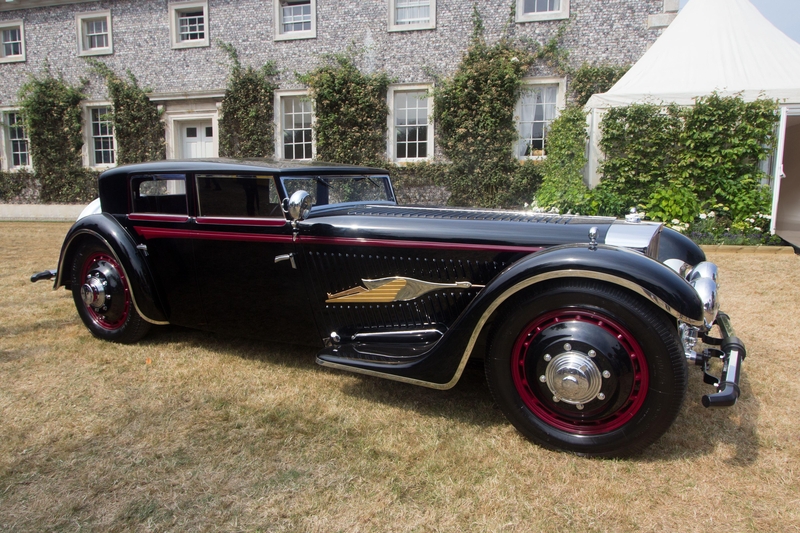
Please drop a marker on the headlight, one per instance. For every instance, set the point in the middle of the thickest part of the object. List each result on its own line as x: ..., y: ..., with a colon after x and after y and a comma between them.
x: 704, y: 270
x: 706, y: 288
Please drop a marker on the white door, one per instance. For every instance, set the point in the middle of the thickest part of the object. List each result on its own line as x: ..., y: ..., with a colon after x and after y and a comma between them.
x: 198, y: 139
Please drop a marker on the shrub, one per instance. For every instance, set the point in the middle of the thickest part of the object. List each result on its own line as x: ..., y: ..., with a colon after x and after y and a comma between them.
x: 675, y: 162
x: 18, y: 187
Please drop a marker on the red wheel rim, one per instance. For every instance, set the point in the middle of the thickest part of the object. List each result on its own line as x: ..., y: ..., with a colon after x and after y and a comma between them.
x: 629, y: 399
x: 102, y: 319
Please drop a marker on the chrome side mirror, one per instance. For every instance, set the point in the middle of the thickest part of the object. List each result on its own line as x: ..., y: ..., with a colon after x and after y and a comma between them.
x: 299, y: 205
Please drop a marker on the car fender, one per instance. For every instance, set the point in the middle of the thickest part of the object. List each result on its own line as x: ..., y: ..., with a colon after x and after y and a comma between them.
x: 105, y: 228
x: 442, y: 366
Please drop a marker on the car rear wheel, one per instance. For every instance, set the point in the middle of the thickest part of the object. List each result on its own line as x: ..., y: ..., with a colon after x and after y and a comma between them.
x: 586, y: 367
x: 103, y: 297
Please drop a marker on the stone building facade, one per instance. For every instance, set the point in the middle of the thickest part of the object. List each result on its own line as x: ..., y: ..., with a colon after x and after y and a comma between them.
x: 171, y: 47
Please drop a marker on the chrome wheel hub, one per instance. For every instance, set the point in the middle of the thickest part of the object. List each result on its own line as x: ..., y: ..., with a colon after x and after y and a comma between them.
x: 93, y: 292
x: 573, y: 378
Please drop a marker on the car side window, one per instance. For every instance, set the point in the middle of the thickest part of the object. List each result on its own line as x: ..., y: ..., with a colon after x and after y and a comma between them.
x: 238, y: 196
x: 163, y: 194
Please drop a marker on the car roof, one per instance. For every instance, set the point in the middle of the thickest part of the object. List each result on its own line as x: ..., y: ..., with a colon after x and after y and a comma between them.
x: 269, y: 166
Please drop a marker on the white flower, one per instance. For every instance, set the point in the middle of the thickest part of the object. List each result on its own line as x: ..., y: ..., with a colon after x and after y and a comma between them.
x: 676, y: 221
x: 712, y: 214
x: 702, y: 216
x: 757, y: 229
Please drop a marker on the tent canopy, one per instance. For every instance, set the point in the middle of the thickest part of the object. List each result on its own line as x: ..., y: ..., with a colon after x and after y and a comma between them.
x: 712, y: 45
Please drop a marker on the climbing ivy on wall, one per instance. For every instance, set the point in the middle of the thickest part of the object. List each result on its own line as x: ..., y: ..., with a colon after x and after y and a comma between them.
x: 246, y: 127
x: 592, y: 79
x: 53, y: 120
x: 138, y: 130
x: 351, y: 111
x: 474, y: 117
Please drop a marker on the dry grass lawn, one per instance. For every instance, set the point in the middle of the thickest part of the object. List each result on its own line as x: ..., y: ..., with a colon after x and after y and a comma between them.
x: 187, y: 431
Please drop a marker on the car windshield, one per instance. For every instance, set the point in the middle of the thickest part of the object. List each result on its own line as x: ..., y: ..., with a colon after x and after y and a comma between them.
x: 329, y: 190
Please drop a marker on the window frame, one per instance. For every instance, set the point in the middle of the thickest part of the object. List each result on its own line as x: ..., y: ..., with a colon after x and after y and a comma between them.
x: 390, y: 144
x: 80, y: 21
x: 175, y: 10
x: 559, y: 105
x: 394, y: 27
x: 7, y: 142
x: 88, y: 136
x: 10, y: 25
x: 278, y: 112
x: 280, y: 35
x: 561, y: 14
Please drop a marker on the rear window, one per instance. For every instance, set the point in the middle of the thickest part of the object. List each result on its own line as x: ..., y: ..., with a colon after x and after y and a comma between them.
x: 159, y: 193
x: 238, y: 196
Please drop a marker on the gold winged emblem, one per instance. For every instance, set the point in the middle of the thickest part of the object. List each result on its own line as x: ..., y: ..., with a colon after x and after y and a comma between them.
x: 395, y: 289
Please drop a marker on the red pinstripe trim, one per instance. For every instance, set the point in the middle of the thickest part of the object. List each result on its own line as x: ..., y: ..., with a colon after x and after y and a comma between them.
x: 165, y: 233
x: 157, y: 217
x: 231, y: 221
x: 168, y: 233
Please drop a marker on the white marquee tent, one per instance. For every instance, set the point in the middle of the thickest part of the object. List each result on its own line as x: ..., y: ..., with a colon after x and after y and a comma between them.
x: 725, y: 46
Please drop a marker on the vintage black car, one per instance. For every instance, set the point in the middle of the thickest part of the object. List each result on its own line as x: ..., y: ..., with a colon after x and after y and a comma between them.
x: 585, y: 324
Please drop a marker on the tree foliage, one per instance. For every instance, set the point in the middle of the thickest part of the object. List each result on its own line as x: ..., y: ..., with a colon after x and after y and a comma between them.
x: 350, y: 110
x: 138, y: 130
x: 246, y: 128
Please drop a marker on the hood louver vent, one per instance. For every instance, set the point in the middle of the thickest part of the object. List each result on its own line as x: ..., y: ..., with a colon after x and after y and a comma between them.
x: 469, y: 214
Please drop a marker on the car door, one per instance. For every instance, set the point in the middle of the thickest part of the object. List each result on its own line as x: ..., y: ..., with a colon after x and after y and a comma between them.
x: 159, y: 216
x: 245, y: 263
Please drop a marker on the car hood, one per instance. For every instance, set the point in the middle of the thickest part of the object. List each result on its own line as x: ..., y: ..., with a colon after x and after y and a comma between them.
x: 478, y: 226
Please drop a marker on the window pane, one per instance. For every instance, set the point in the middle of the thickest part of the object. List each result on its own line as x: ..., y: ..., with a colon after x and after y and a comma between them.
x: 160, y: 193
x: 297, y: 138
x: 411, y: 124
x: 541, y: 6
x: 537, y: 109
x: 95, y: 34
x: 191, y: 25
x: 296, y: 15
x: 19, y: 140
x: 412, y: 12
x: 237, y: 196
x: 102, y: 136
x: 12, y: 42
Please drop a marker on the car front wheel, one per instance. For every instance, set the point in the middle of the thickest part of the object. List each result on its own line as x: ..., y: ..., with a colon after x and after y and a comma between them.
x: 586, y: 367
x: 103, y: 297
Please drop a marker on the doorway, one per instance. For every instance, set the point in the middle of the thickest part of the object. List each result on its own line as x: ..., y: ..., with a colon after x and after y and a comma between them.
x: 197, y: 139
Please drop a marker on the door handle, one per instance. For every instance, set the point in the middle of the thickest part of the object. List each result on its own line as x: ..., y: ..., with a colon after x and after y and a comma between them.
x: 286, y: 257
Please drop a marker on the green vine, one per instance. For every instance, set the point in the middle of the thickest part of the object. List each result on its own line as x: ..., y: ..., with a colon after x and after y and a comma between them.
x: 138, y: 129
x: 53, y: 119
x: 246, y: 128
x: 351, y: 111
